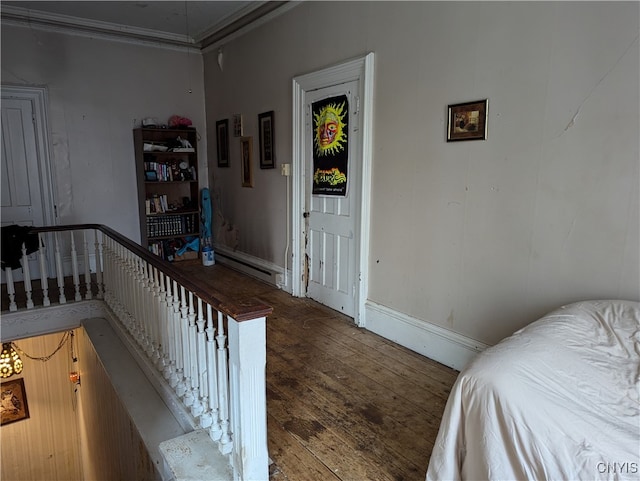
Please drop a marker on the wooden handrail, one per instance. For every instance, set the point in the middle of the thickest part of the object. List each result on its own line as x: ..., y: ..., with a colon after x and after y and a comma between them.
x: 240, y: 311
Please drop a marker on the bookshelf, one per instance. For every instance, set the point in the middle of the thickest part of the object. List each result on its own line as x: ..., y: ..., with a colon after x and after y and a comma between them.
x: 168, y: 193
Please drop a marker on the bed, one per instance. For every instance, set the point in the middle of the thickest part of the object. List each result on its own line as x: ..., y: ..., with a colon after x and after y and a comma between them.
x: 557, y: 400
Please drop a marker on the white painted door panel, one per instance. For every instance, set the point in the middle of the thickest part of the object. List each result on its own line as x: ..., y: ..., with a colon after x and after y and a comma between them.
x: 21, y: 193
x: 22, y: 201
x: 331, y: 220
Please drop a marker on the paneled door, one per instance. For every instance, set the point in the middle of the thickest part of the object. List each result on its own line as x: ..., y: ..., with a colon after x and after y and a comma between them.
x: 331, y: 218
x: 330, y: 226
x: 24, y: 167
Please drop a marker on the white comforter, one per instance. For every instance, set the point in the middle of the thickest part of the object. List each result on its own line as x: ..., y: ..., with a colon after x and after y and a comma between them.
x: 558, y: 400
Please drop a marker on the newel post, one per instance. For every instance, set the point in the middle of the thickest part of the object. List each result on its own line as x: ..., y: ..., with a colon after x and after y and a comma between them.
x: 247, y: 369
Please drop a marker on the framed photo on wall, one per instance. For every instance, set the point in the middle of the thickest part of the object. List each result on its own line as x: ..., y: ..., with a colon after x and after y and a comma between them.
x: 467, y: 121
x: 13, y: 400
x: 246, y: 156
x: 267, y: 153
x: 237, y: 125
x: 222, y: 137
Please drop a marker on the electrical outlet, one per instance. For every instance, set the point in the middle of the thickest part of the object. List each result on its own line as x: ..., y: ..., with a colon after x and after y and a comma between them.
x: 286, y: 169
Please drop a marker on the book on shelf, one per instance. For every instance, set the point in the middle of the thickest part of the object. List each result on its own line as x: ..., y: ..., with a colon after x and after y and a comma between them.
x: 157, y: 204
x: 171, y: 225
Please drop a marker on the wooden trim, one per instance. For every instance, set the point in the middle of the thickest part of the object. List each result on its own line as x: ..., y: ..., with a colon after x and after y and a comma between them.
x: 425, y: 338
x: 242, y: 311
x: 360, y: 69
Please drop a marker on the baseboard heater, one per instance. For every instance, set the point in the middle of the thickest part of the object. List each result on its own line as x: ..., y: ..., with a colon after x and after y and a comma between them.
x: 246, y: 264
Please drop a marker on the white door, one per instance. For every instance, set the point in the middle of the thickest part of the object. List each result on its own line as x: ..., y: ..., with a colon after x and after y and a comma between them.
x: 331, y: 220
x: 330, y: 235
x: 23, y: 162
x: 21, y: 192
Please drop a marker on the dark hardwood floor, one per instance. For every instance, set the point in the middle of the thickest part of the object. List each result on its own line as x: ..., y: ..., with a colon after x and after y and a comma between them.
x: 342, y: 403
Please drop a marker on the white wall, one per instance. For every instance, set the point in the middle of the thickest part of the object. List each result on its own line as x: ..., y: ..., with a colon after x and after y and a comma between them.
x: 477, y: 237
x: 98, y: 92
x: 44, y: 446
x: 493, y: 233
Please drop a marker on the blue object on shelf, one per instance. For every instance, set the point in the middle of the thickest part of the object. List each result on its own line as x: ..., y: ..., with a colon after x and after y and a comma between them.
x: 192, y: 244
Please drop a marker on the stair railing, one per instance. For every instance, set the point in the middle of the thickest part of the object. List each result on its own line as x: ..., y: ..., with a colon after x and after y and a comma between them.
x: 211, y: 352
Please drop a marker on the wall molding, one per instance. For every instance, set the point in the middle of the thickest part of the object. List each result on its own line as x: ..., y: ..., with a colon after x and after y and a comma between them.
x: 238, y: 24
x: 425, y: 338
x: 51, y: 22
x: 47, y: 320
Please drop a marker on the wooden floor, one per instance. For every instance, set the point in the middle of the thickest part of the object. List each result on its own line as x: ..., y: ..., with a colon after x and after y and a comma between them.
x: 342, y: 402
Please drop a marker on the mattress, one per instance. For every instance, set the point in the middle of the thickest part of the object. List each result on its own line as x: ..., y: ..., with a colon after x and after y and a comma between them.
x: 557, y: 400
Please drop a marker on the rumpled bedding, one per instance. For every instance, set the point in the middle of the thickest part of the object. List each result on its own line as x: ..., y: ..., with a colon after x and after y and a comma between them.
x: 557, y: 400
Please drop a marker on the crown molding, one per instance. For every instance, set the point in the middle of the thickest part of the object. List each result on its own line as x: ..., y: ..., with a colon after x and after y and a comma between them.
x: 251, y: 16
x: 23, y: 17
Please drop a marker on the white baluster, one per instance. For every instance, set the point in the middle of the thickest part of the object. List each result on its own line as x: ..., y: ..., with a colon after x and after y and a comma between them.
x: 155, y: 328
x: 162, y: 322
x: 99, y: 280
x: 108, y: 278
x: 135, y: 294
x: 11, y: 290
x: 106, y: 268
x: 197, y: 333
x: 27, y: 277
x: 177, y: 342
x: 186, y: 365
x: 223, y: 387
x: 169, y: 370
x: 136, y: 305
x: 212, y: 380
x: 74, y: 267
x: 87, y: 268
x: 59, y: 271
x: 192, y: 358
x: 44, y: 275
x: 140, y: 310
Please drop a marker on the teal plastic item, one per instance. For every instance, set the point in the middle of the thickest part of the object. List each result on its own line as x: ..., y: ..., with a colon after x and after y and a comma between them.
x: 205, y: 213
x: 191, y: 245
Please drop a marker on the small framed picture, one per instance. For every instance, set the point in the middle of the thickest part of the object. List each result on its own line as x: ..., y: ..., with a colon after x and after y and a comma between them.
x: 222, y: 138
x: 246, y: 156
x: 467, y: 121
x: 151, y: 176
x: 13, y: 400
x: 267, y: 153
x: 237, y: 125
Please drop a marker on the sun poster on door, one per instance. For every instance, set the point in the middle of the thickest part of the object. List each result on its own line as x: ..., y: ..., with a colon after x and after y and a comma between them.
x: 330, y: 142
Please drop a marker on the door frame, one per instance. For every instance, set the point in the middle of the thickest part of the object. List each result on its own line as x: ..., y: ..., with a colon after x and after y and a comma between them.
x: 360, y: 69
x: 39, y: 100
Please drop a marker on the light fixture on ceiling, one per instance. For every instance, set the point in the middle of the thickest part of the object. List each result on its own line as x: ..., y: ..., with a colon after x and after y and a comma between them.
x: 10, y: 362
x: 186, y: 20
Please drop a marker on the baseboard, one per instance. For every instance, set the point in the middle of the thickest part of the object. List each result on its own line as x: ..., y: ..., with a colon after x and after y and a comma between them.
x: 437, y: 343
x: 250, y: 265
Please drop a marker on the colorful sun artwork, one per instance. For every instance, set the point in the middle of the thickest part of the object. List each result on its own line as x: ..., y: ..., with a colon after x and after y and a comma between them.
x: 330, y: 129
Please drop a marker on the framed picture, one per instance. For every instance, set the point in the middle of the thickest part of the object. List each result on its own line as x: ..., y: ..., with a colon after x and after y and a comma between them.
x: 237, y: 125
x: 267, y: 153
x: 467, y: 121
x: 245, y: 154
x: 222, y: 137
x: 13, y: 401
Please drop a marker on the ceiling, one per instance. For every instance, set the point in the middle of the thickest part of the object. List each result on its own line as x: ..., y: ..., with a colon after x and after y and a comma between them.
x: 180, y: 23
